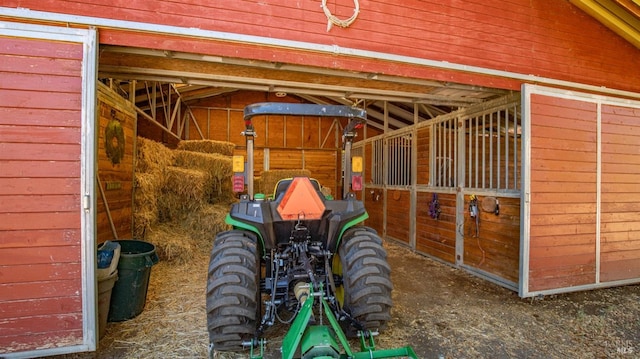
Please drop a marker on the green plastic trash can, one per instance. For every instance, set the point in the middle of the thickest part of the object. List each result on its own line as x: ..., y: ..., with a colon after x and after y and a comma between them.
x: 129, y: 293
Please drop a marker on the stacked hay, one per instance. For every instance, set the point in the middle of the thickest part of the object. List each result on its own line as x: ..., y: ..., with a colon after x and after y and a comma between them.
x: 270, y: 178
x: 148, y: 187
x: 208, y: 146
x: 185, y: 192
x: 152, y: 156
x: 209, y: 221
x: 182, y: 196
x: 152, y: 159
x: 172, y: 242
x: 217, y: 167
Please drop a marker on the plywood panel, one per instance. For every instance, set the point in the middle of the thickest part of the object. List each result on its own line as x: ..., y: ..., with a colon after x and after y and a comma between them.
x: 321, y: 163
x: 276, y: 129
x: 563, y: 193
x: 293, y: 131
x: 284, y: 159
x: 219, y: 128
x: 312, y: 129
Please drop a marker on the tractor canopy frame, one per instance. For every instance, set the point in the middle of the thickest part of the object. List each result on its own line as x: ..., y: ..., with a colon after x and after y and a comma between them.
x: 357, y: 117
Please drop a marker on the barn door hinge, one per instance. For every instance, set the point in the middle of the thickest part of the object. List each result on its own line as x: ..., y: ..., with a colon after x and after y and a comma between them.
x: 86, y: 202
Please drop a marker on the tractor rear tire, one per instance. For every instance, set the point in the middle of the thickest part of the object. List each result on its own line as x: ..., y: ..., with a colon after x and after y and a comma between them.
x: 366, y: 279
x: 233, y: 292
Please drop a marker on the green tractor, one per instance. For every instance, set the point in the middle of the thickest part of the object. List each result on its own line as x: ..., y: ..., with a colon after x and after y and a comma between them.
x: 299, y: 258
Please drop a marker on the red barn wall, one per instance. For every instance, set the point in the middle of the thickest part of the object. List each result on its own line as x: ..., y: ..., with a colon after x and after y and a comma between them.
x: 563, y: 193
x: 585, y: 168
x: 620, y: 202
x: 550, y: 39
x: 40, y: 214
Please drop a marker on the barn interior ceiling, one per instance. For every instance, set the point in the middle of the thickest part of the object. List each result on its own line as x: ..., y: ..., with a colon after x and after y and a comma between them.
x: 151, y: 75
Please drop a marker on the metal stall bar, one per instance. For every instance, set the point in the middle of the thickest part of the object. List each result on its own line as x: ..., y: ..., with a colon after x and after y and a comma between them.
x: 506, y: 148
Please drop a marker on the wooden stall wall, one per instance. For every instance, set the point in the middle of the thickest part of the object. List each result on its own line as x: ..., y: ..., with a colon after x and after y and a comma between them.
x: 493, y: 245
x: 620, y: 194
x: 423, y: 155
x: 40, y: 194
x: 436, y: 237
x: 398, y: 220
x: 281, y: 142
x: 116, y: 138
x: 563, y: 193
x: 374, y: 203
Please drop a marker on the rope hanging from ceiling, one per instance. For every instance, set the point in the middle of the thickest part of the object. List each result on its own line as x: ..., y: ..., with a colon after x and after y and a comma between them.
x: 333, y: 20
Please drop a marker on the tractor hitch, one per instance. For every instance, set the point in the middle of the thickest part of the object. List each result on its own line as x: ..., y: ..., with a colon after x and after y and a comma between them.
x: 325, y: 341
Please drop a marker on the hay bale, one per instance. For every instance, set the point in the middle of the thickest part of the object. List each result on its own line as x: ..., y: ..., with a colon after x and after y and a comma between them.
x: 219, y: 169
x: 208, y: 146
x: 184, y: 191
x: 270, y: 178
x: 172, y: 242
x: 203, y: 225
x: 147, y: 189
x: 152, y: 156
x: 258, y: 185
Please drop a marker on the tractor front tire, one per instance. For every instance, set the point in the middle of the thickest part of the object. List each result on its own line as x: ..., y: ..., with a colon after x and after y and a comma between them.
x: 233, y: 292
x: 366, y: 279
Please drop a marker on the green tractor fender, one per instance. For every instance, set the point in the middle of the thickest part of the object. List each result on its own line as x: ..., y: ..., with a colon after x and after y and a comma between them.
x: 242, y: 225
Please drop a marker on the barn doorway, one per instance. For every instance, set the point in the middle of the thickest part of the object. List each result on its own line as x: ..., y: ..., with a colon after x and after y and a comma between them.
x: 424, y: 140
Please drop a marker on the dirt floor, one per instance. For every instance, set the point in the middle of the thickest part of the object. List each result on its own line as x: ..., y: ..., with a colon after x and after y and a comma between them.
x: 440, y: 311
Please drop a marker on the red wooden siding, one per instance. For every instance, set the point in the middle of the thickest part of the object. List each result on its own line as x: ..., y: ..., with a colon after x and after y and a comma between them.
x: 40, y: 239
x: 563, y: 193
x: 620, y: 198
x: 437, y: 237
x: 544, y: 38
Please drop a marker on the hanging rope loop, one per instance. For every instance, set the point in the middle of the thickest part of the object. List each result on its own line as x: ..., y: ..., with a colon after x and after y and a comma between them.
x: 333, y: 20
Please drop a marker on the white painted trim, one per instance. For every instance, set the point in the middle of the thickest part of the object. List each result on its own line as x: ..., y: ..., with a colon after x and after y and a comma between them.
x: 525, y: 199
x: 21, y: 13
x: 579, y: 288
x: 42, y: 32
x: 599, y: 100
x: 89, y: 39
x: 598, y: 186
x: 88, y: 182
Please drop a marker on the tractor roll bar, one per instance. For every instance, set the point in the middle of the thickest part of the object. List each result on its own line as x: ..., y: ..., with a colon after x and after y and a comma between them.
x: 357, y: 116
x: 302, y: 109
